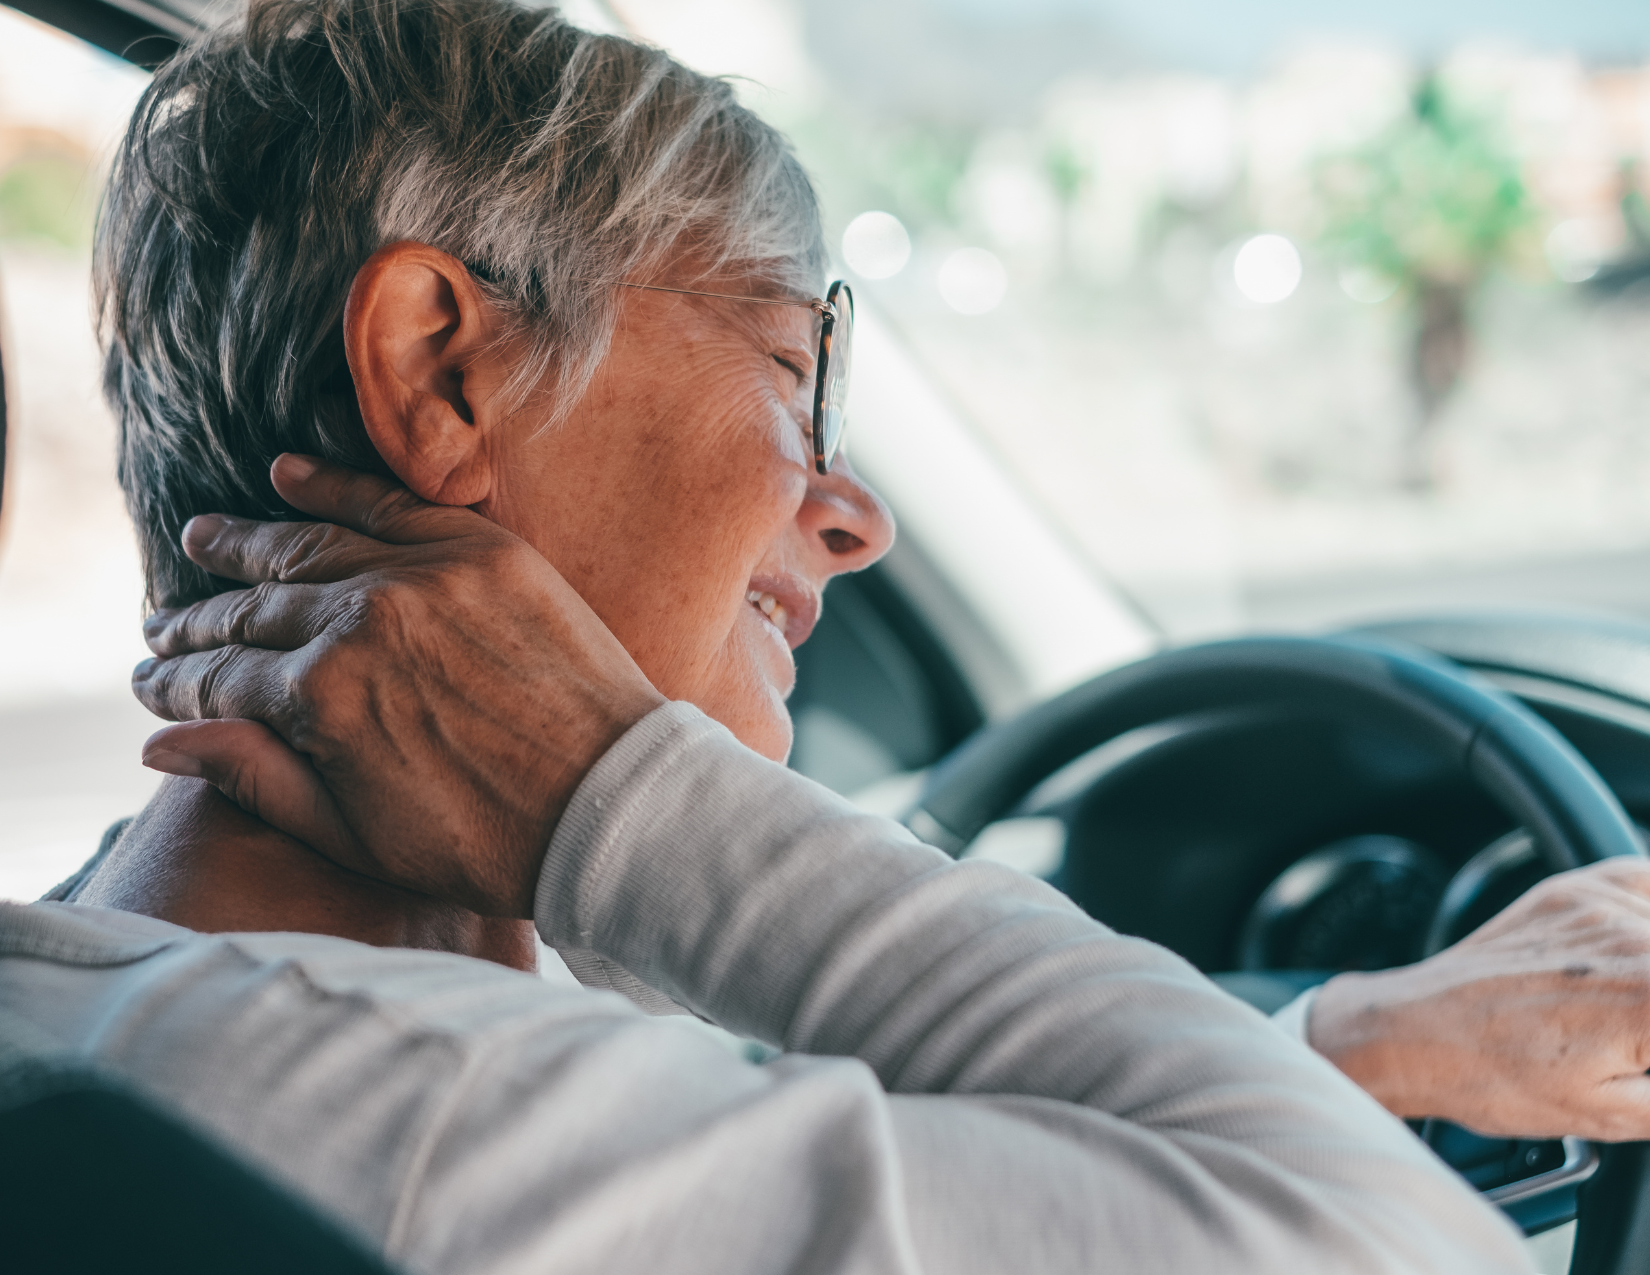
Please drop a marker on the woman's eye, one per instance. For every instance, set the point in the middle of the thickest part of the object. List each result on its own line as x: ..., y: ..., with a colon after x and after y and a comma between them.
x: 792, y: 368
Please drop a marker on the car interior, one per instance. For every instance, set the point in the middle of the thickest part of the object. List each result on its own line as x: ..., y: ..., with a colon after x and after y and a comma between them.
x: 1273, y: 809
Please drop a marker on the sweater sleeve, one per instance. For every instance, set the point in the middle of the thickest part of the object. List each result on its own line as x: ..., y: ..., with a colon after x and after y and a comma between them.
x: 1050, y: 1095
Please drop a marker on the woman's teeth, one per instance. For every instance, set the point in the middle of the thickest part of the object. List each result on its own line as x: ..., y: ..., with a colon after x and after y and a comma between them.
x: 769, y: 606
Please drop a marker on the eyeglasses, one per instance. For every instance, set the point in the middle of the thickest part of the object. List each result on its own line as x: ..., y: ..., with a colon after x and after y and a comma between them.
x: 831, y: 366
x: 835, y: 357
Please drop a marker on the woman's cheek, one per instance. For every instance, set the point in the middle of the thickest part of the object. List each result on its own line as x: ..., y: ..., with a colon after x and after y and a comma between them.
x: 749, y: 698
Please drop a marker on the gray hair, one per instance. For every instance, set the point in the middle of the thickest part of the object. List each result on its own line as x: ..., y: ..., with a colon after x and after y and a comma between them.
x: 269, y: 160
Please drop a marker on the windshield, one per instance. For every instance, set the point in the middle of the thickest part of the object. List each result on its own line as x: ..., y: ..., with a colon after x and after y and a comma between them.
x: 1288, y: 314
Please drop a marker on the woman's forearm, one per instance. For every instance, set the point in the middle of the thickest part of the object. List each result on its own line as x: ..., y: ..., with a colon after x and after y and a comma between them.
x: 767, y: 904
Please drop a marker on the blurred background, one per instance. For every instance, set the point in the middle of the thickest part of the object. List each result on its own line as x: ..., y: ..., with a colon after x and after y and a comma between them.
x: 1284, y: 314
x: 70, y: 592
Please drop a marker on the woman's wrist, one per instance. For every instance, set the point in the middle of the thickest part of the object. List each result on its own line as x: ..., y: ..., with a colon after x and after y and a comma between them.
x: 1365, y: 1025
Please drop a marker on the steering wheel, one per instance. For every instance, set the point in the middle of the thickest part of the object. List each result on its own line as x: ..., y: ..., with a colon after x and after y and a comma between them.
x: 1519, y: 760
x: 1515, y: 757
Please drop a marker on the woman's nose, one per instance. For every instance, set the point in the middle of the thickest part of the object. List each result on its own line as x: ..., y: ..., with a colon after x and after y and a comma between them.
x: 846, y: 519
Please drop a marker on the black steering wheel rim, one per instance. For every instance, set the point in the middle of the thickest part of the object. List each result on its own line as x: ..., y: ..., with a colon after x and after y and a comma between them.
x: 1525, y: 765
x: 1520, y: 761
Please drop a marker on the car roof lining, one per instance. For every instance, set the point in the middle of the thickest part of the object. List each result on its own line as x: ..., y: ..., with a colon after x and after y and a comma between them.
x: 143, y: 32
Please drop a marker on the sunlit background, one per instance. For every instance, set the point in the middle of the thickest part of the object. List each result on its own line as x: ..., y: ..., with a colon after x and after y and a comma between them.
x: 1285, y: 313
x: 70, y: 594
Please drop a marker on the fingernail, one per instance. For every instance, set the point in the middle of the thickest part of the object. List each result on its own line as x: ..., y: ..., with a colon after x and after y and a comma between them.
x: 144, y: 669
x: 201, y: 530
x: 295, y: 467
x: 170, y: 763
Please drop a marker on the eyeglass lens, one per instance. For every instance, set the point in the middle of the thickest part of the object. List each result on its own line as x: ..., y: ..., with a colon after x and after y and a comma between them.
x: 836, y: 347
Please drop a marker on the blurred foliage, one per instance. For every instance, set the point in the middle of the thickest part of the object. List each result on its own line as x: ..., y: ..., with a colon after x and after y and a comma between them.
x: 912, y: 168
x: 1434, y: 203
x: 1437, y: 197
x: 1067, y: 174
x: 44, y: 196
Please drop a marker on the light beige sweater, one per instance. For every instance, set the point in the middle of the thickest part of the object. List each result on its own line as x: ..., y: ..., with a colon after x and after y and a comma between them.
x: 976, y: 1077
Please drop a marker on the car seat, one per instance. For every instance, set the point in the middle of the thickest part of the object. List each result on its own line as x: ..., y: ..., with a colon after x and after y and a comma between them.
x: 96, y: 1178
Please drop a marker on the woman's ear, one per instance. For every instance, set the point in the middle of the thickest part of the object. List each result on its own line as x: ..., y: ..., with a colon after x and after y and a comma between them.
x: 421, y: 344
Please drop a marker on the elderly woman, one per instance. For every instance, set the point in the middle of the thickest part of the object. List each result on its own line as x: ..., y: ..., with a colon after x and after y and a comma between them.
x: 557, y: 296
x: 268, y: 283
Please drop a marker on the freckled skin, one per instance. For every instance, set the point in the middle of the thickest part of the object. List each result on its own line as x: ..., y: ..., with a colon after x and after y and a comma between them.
x: 680, y: 483
x: 1532, y: 1026
x: 683, y: 473
x: 687, y: 469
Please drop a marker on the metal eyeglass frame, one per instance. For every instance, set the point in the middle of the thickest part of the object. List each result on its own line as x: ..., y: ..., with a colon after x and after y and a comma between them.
x: 831, y: 363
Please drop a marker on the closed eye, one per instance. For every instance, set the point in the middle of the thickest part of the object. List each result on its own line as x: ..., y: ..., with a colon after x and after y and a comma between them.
x: 793, y: 368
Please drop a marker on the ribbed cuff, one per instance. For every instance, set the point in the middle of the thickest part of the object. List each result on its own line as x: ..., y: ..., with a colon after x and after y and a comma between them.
x: 1296, y: 1016
x: 572, y: 871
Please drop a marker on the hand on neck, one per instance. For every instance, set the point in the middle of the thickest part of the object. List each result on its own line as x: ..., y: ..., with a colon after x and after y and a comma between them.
x: 196, y: 859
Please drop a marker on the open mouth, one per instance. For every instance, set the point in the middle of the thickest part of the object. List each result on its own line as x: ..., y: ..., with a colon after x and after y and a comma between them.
x: 771, y: 608
x: 787, y: 602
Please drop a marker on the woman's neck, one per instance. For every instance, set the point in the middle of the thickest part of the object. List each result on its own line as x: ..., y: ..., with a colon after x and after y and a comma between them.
x: 194, y: 858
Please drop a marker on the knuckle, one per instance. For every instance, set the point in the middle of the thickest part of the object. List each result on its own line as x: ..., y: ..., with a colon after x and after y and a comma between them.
x: 301, y: 547
x: 307, y: 684
x: 379, y: 607
x: 231, y: 622
x: 314, y: 691
x: 248, y: 609
x: 206, y: 690
x: 313, y: 686
x: 387, y: 607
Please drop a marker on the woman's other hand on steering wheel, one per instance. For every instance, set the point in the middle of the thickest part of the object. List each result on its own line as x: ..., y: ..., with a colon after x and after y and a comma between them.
x: 1535, y: 1025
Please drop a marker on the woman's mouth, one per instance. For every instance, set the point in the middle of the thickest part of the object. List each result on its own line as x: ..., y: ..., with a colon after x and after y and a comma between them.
x: 772, y: 609
x: 787, y: 602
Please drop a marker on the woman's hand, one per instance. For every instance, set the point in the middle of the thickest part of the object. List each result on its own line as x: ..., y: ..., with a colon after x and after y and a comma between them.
x: 414, y: 691
x: 1535, y: 1025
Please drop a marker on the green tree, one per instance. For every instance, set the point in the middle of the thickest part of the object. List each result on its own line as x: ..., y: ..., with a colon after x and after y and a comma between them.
x: 1435, y: 203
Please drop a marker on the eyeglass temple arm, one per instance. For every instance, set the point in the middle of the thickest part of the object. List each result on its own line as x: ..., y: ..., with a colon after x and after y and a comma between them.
x: 824, y: 309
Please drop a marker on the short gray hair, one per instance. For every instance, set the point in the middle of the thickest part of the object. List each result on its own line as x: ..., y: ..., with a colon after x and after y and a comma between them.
x: 269, y: 160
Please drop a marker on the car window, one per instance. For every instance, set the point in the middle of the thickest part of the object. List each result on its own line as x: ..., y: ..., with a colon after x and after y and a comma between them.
x: 70, y: 590
x: 1288, y: 314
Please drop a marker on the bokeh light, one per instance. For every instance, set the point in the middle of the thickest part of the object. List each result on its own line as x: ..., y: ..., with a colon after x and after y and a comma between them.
x: 1367, y: 285
x: 1267, y: 269
x: 1576, y: 249
x: 875, y: 245
x: 972, y: 281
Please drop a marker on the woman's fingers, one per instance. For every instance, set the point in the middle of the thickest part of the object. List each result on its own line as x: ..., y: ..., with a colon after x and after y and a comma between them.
x: 231, y: 681
x: 278, y: 617
x: 377, y: 507
x: 257, y: 770
x: 363, y: 514
x: 255, y: 552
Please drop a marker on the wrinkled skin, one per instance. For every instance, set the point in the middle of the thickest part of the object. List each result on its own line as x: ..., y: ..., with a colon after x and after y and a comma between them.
x: 1535, y: 1025
x: 679, y: 483
x: 425, y: 724
x: 427, y: 690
